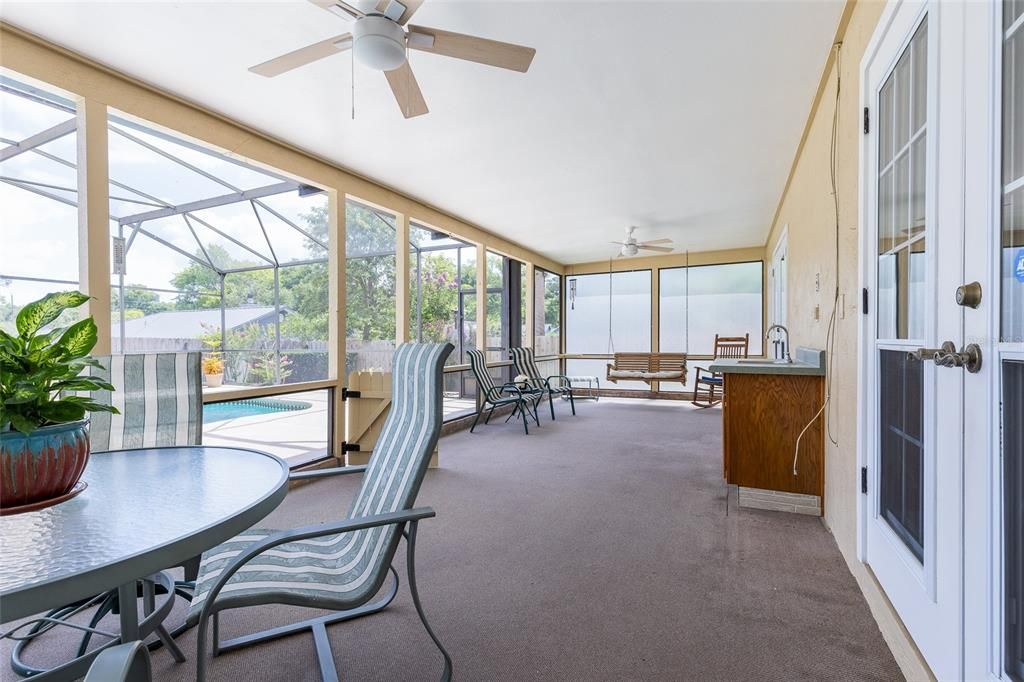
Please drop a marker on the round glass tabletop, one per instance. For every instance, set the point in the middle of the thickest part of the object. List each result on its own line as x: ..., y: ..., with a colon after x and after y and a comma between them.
x: 143, y: 511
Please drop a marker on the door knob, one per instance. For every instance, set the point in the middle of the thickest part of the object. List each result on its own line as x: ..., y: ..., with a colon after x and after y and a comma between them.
x: 969, y: 358
x: 948, y: 356
x: 933, y: 353
x: 969, y: 295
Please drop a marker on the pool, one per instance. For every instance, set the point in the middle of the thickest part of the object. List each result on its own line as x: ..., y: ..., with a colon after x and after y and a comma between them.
x: 233, y: 409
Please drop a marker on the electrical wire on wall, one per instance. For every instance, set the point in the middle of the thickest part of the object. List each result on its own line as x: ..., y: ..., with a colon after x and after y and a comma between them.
x: 830, y: 334
x: 686, y: 308
x: 611, y: 341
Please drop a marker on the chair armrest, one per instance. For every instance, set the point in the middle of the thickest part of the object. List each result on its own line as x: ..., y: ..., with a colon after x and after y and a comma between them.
x: 564, y: 378
x: 706, y: 374
x: 325, y: 473
x: 512, y: 387
x: 129, y: 662
x: 306, y: 533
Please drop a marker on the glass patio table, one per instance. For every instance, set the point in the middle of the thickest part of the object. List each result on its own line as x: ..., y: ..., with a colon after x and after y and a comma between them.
x: 144, y: 510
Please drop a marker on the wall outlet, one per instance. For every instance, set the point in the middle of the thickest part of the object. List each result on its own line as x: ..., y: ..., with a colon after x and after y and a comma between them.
x: 817, y: 312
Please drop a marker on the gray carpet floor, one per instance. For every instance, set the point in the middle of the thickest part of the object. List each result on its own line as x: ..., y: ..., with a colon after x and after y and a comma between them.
x: 597, y: 548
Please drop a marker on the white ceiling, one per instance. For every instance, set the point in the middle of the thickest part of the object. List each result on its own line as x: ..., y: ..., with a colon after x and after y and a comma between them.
x: 679, y: 117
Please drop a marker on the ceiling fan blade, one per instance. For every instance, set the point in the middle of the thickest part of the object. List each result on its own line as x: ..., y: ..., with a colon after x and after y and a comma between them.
x: 303, y: 56
x: 339, y: 8
x: 658, y: 241
x: 662, y: 249
x: 407, y: 91
x: 410, y: 8
x: 471, y: 48
x: 618, y: 243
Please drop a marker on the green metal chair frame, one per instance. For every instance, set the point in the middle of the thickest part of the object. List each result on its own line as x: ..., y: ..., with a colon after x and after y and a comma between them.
x: 166, y: 387
x: 526, y: 365
x: 523, y: 400
x: 339, y: 565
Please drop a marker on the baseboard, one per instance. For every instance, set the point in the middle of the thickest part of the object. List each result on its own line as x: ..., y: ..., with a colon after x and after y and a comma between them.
x: 901, y: 644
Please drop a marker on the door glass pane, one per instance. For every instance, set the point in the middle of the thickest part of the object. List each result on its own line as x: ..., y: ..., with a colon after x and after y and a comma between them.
x: 1013, y: 497
x: 902, y: 194
x: 901, y: 500
x: 902, y: 275
x: 1012, y: 241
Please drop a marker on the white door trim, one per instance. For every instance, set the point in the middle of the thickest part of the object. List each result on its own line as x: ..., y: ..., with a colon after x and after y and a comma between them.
x: 925, y: 592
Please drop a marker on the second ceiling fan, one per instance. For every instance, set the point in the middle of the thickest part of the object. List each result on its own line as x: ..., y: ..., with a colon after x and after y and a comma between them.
x: 632, y: 247
x: 379, y: 39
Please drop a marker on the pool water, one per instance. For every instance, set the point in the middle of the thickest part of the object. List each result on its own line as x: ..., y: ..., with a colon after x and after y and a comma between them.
x: 218, y: 412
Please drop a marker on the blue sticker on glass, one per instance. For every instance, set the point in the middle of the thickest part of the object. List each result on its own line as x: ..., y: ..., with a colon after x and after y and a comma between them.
x: 1018, y: 266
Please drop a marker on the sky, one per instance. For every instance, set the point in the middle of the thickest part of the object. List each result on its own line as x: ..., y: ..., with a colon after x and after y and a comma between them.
x: 39, y: 236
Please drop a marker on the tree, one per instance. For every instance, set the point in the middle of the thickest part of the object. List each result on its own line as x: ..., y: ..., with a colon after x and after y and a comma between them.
x: 439, y: 293
x: 369, y: 275
x: 137, y: 302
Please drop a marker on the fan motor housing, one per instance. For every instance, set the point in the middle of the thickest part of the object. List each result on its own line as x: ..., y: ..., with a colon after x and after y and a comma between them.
x: 378, y: 42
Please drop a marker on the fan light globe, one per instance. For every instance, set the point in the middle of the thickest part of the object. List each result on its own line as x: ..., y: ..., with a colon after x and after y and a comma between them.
x: 379, y: 43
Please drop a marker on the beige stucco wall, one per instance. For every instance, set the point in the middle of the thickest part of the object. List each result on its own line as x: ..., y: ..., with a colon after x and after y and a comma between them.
x: 807, y: 214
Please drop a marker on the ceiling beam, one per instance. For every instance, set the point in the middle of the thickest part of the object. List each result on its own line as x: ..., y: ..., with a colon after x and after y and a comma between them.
x: 212, y: 202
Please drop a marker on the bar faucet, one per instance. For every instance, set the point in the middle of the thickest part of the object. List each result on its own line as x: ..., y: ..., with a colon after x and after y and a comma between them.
x: 785, y: 344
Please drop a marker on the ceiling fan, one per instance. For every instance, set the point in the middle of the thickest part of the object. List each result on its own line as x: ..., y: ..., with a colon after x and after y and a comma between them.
x: 632, y: 247
x: 379, y: 39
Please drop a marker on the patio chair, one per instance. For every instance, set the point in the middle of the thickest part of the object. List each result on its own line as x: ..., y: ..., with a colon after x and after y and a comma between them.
x: 122, y: 663
x: 526, y: 365
x: 492, y: 396
x: 159, y: 396
x: 338, y: 565
x: 706, y: 382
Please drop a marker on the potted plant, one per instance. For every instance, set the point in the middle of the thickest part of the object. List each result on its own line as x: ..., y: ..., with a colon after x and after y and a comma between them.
x: 213, y: 370
x: 44, y: 432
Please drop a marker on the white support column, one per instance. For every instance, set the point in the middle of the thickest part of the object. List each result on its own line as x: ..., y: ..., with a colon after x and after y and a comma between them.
x: 94, y: 217
x: 402, y: 332
x: 531, y: 307
x: 481, y: 297
x: 655, y: 317
x: 336, y: 310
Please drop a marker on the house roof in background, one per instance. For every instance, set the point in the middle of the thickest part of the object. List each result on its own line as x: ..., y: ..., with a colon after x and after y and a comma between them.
x: 191, y: 324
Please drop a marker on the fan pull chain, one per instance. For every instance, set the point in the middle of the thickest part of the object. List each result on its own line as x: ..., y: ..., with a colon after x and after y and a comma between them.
x: 352, y: 81
x: 611, y: 341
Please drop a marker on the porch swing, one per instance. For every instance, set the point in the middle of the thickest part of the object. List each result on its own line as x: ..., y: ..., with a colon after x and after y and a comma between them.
x: 646, y: 367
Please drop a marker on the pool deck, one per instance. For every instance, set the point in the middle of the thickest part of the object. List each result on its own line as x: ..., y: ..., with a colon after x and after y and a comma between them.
x: 297, y: 436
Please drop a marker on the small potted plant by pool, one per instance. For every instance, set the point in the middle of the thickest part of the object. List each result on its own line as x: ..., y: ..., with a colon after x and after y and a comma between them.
x: 213, y: 370
x: 44, y: 431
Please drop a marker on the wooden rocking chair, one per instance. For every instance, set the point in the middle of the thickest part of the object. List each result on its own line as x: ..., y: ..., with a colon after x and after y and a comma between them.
x: 709, y: 387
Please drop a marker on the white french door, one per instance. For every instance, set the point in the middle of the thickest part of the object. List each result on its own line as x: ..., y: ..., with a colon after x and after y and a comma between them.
x: 931, y: 357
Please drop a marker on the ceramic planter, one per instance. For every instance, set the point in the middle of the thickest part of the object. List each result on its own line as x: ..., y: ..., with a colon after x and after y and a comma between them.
x: 214, y: 380
x: 43, y: 465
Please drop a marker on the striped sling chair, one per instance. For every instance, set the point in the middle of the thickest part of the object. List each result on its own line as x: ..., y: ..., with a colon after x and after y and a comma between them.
x: 339, y: 565
x: 526, y: 365
x: 523, y: 401
x: 160, y: 400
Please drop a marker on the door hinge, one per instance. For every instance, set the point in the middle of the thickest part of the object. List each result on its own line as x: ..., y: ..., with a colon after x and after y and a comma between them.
x: 346, y: 394
x: 867, y: 121
x: 349, y: 447
x: 864, y: 480
x: 864, y: 301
